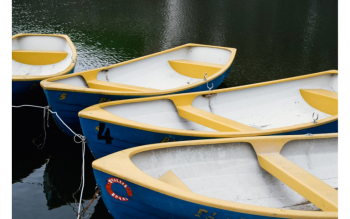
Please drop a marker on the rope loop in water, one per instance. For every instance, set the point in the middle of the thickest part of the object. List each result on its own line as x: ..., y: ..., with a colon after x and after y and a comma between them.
x: 78, y: 138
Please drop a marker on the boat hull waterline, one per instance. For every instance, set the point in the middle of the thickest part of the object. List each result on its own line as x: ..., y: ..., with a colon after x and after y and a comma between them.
x: 133, y: 123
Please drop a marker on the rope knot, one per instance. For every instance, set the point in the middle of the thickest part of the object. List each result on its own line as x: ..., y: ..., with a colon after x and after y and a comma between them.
x: 81, y: 137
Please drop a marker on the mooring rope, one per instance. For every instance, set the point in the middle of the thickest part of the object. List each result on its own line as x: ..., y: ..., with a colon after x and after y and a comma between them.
x: 81, y: 139
x: 97, y: 193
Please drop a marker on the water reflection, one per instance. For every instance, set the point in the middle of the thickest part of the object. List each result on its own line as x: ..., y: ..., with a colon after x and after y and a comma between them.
x: 25, y: 155
x: 275, y: 39
x: 62, y: 178
x: 58, y: 161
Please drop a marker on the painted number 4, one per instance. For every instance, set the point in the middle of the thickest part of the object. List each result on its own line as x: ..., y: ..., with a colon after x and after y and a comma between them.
x: 107, y: 135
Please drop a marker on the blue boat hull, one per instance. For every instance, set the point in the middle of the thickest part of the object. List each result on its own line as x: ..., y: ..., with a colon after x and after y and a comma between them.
x: 74, y: 102
x: 145, y: 203
x: 23, y: 87
x: 120, y: 137
x: 22, y: 91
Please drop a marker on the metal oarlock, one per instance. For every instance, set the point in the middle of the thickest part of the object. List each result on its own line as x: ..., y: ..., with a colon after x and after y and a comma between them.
x: 313, y: 118
x: 205, y: 79
x: 212, y: 85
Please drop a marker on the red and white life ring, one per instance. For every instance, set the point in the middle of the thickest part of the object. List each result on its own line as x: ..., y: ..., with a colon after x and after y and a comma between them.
x: 112, y: 180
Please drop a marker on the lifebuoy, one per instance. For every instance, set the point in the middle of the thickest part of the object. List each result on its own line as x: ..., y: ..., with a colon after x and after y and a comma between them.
x: 112, y: 180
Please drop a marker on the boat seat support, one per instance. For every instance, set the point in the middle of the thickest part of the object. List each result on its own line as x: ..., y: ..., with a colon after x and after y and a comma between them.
x: 38, y: 57
x: 320, y: 99
x: 310, y: 187
x: 170, y: 178
x: 211, y: 120
x: 194, y: 69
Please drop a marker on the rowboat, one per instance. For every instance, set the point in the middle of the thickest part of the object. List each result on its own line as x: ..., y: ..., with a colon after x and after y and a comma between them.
x: 187, y: 68
x: 36, y: 57
x: 298, y: 105
x: 293, y: 176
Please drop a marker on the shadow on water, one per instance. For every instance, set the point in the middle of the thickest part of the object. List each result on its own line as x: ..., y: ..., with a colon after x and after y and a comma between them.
x: 60, y: 156
x: 26, y: 123
x: 61, y: 179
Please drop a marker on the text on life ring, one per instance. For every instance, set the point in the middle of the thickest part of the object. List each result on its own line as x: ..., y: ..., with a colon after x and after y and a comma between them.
x: 112, y: 180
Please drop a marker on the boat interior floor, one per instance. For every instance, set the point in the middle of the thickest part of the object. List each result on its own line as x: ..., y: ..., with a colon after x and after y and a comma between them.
x: 224, y: 117
x: 26, y: 69
x: 161, y: 78
x: 232, y: 172
x: 259, y: 108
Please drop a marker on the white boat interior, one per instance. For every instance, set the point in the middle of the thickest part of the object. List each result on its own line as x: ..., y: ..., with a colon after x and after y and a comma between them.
x: 40, y: 55
x: 231, y: 171
x: 167, y: 70
x: 257, y: 108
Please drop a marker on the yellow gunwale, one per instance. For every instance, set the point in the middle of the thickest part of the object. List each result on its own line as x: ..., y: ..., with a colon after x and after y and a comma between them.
x: 96, y: 112
x: 129, y: 171
x: 49, y: 84
x: 42, y: 77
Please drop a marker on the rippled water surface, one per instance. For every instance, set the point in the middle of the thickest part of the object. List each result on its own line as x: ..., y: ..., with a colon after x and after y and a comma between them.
x: 274, y: 39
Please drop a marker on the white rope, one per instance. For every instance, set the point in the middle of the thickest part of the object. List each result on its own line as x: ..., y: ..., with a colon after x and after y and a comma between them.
x: 82, y: 140
x: 83, y: 176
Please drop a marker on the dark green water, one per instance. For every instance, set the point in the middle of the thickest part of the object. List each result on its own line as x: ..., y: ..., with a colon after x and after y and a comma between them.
x: 274, y: 39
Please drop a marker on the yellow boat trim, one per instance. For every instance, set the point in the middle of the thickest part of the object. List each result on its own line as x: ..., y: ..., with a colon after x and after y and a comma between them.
x: 183, y: 102
x: 97, y: 84
x: 262, y: 145
x: 211, y: 120
x: 88, y: 75
x: 51, y: 56
x: 170, y: 178
x: 195, y: 69
x: 323, y: 100
x: 38, y: 57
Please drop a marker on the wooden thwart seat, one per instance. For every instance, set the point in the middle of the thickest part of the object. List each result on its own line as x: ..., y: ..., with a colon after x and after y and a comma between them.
x: 170, y: 178
x: 211, y: 120
x: 38, y: 57
x: 104, y: 85
x: 310, y: 187
x: 194, y: 69
x: 320, y: 99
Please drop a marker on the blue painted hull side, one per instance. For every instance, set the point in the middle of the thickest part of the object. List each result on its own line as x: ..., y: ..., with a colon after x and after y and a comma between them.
x: 331, y: 127
x: 125, y: 137
x: 68, y: 108
x: 74, y: 102
x: 21, y: 89
x: 24, y: 87
x: 146, y: 203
